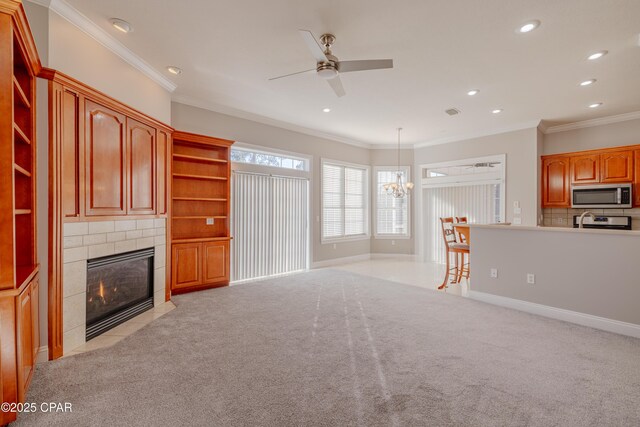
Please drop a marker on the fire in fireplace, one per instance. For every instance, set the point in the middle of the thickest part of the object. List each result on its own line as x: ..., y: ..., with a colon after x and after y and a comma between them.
x: 119, y: 287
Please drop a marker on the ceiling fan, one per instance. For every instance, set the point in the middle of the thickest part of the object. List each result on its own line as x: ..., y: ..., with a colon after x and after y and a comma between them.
x: 329, y: 67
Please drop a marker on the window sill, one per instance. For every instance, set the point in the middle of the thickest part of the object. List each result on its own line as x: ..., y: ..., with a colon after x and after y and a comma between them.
x: 345, y: 239
x: 392, y: 236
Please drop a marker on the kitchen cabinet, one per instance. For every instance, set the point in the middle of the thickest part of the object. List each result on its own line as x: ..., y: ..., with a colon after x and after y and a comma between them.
x: 636, y: 179
x: 555, y: 182
x: 585, y: 169
x: 616, y: 166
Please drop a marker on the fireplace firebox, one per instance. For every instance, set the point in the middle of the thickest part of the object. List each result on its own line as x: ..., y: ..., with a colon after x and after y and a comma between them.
x: 119, y: 287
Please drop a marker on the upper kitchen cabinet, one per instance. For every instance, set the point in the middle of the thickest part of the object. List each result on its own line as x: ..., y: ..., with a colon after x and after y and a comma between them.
x: 111, y: 160
x: 616, y: 166
x: 636, y: 179
x: 105, y: 148
x: 555, y: 182
x: 585, y: 169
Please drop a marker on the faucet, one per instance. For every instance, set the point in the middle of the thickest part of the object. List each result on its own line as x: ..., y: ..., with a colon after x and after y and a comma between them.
x: 580, y: 225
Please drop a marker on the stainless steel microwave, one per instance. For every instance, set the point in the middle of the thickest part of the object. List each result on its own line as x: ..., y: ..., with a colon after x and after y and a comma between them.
x: 601, y: 196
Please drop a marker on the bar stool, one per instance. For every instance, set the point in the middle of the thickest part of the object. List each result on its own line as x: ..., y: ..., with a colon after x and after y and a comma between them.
x: 464, y: 262
x: 452, y: 246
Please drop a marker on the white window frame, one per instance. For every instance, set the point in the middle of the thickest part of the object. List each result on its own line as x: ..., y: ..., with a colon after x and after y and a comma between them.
x: 307, y: 160
x: 367, y: 205
x: 376, y: 235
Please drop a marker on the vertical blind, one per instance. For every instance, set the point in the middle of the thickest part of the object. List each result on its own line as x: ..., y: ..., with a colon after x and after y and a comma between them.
x: 269, y: 224
x: 479, y: 203
x: 392, y: 215
x: 344, y: 201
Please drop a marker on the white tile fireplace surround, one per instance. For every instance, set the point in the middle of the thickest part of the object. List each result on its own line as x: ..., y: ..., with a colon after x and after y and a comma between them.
x: 87, y: 240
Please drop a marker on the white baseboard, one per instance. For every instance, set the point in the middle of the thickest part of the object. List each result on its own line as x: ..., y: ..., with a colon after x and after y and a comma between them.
x: 610, y: 325
x: 403, y: 257
x: 43, y: 354
x: 340, y: 261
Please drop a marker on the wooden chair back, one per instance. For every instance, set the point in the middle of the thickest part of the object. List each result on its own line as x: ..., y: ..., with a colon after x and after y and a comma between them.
x: 448, y: 233
x: 461, y: 220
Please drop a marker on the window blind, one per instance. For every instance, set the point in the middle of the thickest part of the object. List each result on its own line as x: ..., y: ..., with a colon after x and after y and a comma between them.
x: 344, y: 201
x: 392, y: 214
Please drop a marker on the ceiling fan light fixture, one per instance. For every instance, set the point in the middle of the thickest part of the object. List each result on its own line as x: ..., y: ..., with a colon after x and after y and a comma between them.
x: 327, y: 72
x: 121, y: 25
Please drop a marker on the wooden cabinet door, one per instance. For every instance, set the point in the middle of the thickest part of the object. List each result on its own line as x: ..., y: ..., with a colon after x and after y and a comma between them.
x: 555, y: 182
x: 636, y: 179
x: 35, y: 317
x: 216, y: 261
x: 141, y: 168
x: 105, y: 160
x: 25, y: 342
x: 616, y: 166
x: 163, y: 171
x: 186, y: 265
x: 585, y: 169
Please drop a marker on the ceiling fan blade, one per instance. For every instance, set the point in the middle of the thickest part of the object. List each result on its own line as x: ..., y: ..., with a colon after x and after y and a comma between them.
x: 336, y: 85
x: 313, y: 46
x: 367, y: 64
x: 293, y: 74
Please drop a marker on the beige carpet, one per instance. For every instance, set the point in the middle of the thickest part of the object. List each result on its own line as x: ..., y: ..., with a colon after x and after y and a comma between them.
x: 330, y: 348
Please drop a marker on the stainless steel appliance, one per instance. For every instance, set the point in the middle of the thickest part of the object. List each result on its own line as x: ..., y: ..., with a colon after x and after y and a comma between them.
x: 604, y: 222
x: 601, y: 196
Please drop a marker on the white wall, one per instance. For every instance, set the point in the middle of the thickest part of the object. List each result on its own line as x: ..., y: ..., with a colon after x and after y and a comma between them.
x: 521, y: 150
x: 603, y: 136
x: 206, y: 122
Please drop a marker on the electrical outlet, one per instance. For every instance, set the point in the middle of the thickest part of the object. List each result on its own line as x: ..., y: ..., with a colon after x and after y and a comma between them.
x: 517, y: 211
x: 393, y: 243
x: 517, y: 221
x: 531, y: 278
x: 210, y: 221
x: 493, y: 273
x: 335, y: 246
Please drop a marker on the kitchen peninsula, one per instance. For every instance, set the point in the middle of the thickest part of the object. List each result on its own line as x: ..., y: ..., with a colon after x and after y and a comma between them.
x: 578, y: 274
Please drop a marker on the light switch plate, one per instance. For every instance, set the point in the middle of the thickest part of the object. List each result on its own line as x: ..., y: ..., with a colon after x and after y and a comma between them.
x: 210, y: 221
x: 531, y: 278
x: 493, y: 273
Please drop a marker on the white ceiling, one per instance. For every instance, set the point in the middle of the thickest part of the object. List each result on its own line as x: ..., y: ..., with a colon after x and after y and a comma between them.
x: 228, y: 49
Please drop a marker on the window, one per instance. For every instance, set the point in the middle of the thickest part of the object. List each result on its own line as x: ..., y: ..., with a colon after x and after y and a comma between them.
x: 263, y: 158
x: 344, y: 201
x: 392, y: 214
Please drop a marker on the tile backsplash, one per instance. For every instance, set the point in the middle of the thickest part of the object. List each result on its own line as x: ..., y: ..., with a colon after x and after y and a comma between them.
x: 552, y: 217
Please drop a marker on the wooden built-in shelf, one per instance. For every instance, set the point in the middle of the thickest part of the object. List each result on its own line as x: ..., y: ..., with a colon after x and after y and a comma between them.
x: 21, y: 95
x: 199, y: 199
x: 198, y: 158
x: 22, y: 211
x: 200, y: 217
x: 22, y: 170
x: 212, y: 178
x: 22, y: 136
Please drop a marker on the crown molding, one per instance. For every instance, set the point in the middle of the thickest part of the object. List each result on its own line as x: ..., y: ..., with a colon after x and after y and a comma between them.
x: 594, y: 122
x: 89, y: 27
x: 222, y: 109
x: 472, y: 135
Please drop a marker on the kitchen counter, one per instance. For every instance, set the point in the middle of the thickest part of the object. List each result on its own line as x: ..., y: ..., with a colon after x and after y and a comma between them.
x: 586, y: 276
x: 635, y: 233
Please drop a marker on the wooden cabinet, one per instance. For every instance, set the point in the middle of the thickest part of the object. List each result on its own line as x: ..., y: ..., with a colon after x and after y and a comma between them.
x: 555, y: 182
x: 162, y: 190
x: 141, y: 168
x: 105, y: 149
x: 215, y: 261
x: 199, y: 212
x: 616, y: 166
x: 636, y: 178
x: 186, y: 265
x: 585, y: 169
x: 19, y: 323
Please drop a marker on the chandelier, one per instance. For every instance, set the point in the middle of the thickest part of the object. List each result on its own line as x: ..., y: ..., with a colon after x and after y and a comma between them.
x: 398, y: 188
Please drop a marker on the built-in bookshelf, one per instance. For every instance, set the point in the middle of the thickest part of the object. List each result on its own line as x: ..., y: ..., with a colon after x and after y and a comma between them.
x: 200, y: 211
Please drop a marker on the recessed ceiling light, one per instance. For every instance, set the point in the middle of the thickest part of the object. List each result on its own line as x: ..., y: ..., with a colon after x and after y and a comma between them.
x: 174, y: 70
x: 529, y: 26
x: 121, y: 25
x: 595, y: 105
x: 473, y: 92
x: 588, y: 82
x: 497, y: 111
x: 597, y: 55
x: 326, y: 110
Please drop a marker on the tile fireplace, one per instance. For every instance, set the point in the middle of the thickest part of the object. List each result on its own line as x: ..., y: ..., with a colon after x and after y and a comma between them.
x: 119, y: 287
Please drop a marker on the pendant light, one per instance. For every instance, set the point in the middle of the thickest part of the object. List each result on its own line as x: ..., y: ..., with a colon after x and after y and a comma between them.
x: 398, y: 188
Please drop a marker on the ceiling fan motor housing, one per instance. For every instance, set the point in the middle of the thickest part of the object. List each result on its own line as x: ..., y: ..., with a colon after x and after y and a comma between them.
x: 328, y: 70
